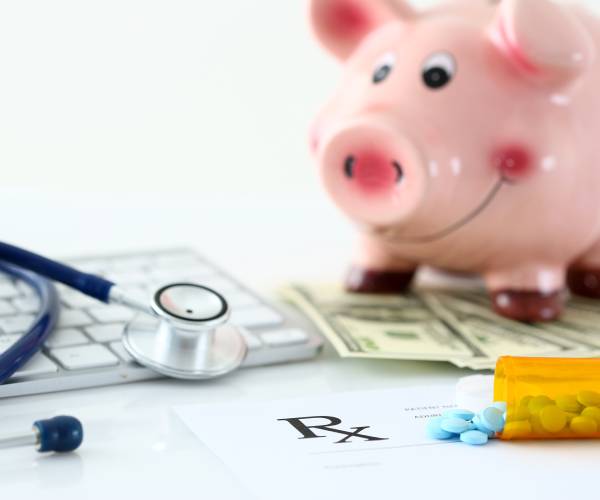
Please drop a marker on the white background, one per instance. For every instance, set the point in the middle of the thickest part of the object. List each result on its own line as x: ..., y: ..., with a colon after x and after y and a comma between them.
x: 169, y: 95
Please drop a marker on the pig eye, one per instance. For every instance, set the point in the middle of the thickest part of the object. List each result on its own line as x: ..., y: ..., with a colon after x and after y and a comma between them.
x: 438, y: 70
x: 383, y: 68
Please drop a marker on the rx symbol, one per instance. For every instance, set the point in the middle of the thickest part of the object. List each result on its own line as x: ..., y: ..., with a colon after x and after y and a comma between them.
x: 329, y: 426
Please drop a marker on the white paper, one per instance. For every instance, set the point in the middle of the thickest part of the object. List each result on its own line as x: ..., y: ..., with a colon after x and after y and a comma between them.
x: 392, y: 459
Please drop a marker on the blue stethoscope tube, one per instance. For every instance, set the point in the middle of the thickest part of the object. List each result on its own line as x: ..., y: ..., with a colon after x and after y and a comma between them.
x: 88, y: 284
x: 14, y: 261
x: 21, y: 351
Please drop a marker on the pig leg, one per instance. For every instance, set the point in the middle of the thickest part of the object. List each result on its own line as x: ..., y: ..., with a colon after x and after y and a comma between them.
x: 377, y: 270
x: 528, y: 293
x: 583, y: 277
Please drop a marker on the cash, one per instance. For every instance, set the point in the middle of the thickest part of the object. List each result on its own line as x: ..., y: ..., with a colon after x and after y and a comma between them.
x: 457, y: 326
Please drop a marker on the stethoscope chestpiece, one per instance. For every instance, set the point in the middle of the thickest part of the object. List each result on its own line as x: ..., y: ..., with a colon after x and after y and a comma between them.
x: 189, y: 337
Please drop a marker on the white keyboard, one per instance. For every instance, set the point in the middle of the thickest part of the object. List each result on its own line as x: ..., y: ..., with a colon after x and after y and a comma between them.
x: 85, y: 349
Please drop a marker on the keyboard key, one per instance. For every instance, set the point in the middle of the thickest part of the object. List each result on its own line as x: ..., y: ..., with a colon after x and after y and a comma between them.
x: 128, y: 277
x: 130, y: 263
x: 105, y: 333
x: 6, y: 341
x: 72, y: 317
x: 119, y: 350
x: 252, y: 341
x: 94, y: 266
x: 193, y: 273
x: 238, y: 298
x: 111, y: 314
x: 85, y: 356
x: 284, y: 337
x: 255, y: 316
x: 176, y: 261
x: 38, y: 365
x: 8, y: 290
x: 63, y: 337
x: 76, y: 300
x: 25, y: 290
x: 27, y: 304
x: 219, y: 284
x: 16, y: 324
x: 6, y: 308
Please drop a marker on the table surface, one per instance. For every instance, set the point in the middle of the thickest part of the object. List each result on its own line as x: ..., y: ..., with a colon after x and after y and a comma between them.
x: 267, y: 242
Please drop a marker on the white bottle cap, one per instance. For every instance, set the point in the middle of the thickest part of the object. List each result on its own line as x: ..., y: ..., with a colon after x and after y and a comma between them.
x: 475, y: 392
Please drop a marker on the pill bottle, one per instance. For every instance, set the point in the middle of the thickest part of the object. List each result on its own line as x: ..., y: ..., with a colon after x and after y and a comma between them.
x: 549, y: 398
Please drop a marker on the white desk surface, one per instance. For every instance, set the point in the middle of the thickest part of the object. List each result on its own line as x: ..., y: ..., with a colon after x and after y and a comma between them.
x: 134, y: 444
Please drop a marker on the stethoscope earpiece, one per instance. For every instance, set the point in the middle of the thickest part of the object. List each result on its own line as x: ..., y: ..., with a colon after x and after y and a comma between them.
x: 60, y: 434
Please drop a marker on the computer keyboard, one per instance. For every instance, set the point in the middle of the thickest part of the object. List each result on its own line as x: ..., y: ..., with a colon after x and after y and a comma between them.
x: 85, y: 349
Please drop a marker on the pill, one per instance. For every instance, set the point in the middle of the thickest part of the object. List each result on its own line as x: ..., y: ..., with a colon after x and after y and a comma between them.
x: 583, y: 425
x: 568, y: 402
x: 525, y: 400
x: 517, y: 428
x: 589, y: 398
x: 571, y: 416
x: 480, y: 427
x: 435, y: 431
x: 537, y: 403
x: 474, y: 437
x: 521, y: 413
x: 552, y: 418
x: 500, y: 405
x: 459, y: 413
x: 492, y: 418
x: 455, y: 425
x: 592, y: 412
x: 536, y: 425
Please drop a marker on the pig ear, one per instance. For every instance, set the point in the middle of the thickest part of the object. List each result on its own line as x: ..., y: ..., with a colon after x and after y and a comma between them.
x: 341, y: 24
x: 543, y: 38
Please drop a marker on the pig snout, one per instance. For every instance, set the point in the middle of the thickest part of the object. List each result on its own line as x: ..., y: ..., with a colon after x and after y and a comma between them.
x: 373, y: 171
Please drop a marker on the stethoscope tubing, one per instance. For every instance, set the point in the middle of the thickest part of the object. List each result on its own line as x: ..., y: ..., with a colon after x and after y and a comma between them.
x: 88, y: 284
x: 29, y: 344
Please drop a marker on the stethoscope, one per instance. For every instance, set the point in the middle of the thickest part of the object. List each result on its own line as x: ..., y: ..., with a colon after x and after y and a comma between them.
x: 181, y: 332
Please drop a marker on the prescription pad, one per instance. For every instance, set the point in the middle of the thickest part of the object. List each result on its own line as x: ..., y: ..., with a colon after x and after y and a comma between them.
x: 359, y: 444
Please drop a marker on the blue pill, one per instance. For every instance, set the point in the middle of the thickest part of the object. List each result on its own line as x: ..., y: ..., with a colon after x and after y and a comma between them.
x: 459, y: 413
x: 474, y: 437
x: 435, y: 431
x: 455, y: 425
x: 492, y: 419
x: 500, y: 405
x: 480, y: 427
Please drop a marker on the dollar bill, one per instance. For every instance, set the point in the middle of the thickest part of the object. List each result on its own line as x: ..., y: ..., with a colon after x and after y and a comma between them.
x: 374, y: 326
x: 457, y: 326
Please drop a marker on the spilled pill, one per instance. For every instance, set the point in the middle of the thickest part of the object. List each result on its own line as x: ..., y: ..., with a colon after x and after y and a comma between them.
x: 500, y: 405
x: 480, y: 427
x: 492, y: 419
x: 474, y: 437
x: 455, y: 425
x: 459, y: 413
x: 435, y: 431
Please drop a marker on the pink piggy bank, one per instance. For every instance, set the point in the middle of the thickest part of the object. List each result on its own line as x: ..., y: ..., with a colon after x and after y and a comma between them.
x: 467, y: 137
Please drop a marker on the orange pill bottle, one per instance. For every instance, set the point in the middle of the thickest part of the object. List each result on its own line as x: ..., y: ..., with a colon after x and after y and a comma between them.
x: 549, y: 398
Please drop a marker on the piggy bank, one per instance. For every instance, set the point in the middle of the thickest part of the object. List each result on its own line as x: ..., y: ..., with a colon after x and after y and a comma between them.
x: 467, y: 137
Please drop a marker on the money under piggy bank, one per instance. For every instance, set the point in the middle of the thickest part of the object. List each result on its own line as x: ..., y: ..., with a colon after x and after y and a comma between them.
x: 467, y: 137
